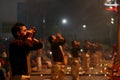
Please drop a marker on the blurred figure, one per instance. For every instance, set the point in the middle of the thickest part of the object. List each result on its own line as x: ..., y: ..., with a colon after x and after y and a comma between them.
x: 75, y: 59
x: 2, y: 71
x: 39, y: 61
x: 5, y: 63
x: 19, y: 50
x: 58, y: 67
x: 87, y: 50
x: 87, y: 46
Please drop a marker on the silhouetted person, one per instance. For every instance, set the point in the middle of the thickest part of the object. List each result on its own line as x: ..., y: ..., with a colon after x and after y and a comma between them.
x: 20, y: 48
x: 75, y: 64
x: 58, y: 68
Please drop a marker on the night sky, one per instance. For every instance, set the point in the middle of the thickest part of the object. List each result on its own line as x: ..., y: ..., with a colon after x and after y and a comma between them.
x: 91, y: 13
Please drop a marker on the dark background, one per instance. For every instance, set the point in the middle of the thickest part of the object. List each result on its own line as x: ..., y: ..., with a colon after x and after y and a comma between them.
x: 77, y: 12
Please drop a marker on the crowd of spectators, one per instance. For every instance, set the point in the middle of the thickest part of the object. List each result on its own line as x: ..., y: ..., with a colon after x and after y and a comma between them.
x: 95, y: 49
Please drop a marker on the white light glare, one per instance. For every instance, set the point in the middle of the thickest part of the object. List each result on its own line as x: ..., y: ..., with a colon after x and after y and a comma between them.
x: 112, y: 22
x: 50, y: 52
x: 112, y: 19
x: 111, y: 3
x: 43, y: 20
x: 64, y: 21
x: 84, y: 26
x: 6, y: 39
x: 81, y: 50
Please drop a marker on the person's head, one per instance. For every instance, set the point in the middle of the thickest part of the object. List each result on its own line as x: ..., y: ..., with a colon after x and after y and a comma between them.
x: 87, y: 42
x: 75, y: 43
x: 19, y: 30
x: 52, y: 38
x: 4, y: 54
